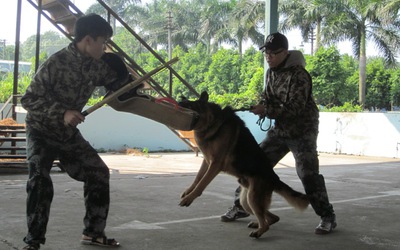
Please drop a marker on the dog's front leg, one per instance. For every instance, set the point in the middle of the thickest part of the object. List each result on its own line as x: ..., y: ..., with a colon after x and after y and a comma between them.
x: 212, y: 171
x: 199, y: 176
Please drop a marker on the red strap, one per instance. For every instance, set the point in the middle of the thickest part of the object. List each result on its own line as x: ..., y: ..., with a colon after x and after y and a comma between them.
x: 168, y: 100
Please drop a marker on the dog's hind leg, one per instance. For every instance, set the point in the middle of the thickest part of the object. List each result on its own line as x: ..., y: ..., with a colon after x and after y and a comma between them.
x: 271, y: 218
x: 243, y: 200
x: 259, y: 199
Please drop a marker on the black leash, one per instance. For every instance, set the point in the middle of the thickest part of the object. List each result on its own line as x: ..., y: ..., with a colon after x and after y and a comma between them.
x: 260, y: 123
x: 260, y: 120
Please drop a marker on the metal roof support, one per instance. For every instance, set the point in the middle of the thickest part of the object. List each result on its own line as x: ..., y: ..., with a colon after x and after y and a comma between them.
x: 271, y: 16
x: 16, y: 59
x: 271, y: 23
x: 39, y: 20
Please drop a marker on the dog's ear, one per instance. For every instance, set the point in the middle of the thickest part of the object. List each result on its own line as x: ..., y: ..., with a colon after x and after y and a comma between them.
x: 204, y: 96
x: 183, y: 98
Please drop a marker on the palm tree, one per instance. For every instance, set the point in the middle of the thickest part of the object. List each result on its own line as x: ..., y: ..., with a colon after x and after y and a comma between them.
x: 306, y: 15
x: 184, y: 24
x: 214, y: 24
x: 118, y: 6
x: 247, y: 18
x: 391, y: 10
x: 359, y: 21
x: 154, y: 25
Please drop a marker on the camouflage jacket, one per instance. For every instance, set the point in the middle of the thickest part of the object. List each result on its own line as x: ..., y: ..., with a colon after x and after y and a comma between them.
x: 288, y: 98
x: 64, y: 82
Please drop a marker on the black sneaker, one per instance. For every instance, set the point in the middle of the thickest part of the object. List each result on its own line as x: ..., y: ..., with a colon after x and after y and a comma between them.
x: 326, y: 225
x: 234, y: 213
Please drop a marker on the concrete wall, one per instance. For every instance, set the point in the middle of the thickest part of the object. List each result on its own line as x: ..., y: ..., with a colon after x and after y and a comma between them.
x: 369, y: 134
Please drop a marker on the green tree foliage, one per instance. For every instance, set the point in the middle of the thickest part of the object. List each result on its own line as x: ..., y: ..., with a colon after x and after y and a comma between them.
x: 245, y: 89
x: 7, y: 52
x: 378, y: 85
x: 7, y: 84
x: 42, y: 58
x: 125, y: 41
x: 359, y: 21
x: 328, y: 78
x: 223, y: 74
x: 307, y: 15
x: 349, y: 65
x: 50, y: 42
x: 210, y: 22
x: 6, y: 87
x: 148, y: 62
x: 251, y: 77
x: 395, y: 88
x: 192, y: 66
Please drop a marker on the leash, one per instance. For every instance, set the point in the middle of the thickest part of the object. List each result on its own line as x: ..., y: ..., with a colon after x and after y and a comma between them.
x: 260, y: 120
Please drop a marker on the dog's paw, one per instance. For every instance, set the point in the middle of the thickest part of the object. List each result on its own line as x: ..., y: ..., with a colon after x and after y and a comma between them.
x: 257, y: 234
x: 186, y: 201
x: 254, y: 234
x: 252, y: 224
x: 186, y: 192
x: 272, y: 218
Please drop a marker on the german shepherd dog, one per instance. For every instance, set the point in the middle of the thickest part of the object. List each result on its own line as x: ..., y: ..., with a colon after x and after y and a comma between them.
x: 228, y: 145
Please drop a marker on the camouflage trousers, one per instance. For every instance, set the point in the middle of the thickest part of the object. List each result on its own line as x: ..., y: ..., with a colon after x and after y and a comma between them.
x: 304, y: 150
x: 81, y: 162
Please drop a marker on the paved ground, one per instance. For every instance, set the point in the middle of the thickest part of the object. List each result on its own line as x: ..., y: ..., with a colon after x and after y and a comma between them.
x: 144, y: 213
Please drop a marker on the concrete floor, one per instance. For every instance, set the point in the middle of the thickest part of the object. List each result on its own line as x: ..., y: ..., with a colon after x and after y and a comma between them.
x: 144, y: 212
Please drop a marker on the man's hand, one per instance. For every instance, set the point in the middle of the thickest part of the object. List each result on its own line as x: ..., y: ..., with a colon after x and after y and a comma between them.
x: 258, y: 109
x: 73, y: 118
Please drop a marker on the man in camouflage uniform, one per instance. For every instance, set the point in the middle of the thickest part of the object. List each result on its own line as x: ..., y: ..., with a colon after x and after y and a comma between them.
x: 287, y: 98
x: 54, y: 101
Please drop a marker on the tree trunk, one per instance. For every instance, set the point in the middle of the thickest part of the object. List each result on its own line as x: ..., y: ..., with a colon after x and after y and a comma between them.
x: 208, y: 45
x: 318, y: 35
x: 362, y: 73
x: 240, y: 45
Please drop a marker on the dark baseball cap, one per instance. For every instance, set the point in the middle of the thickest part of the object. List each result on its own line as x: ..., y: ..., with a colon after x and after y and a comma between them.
x: 275, y: 41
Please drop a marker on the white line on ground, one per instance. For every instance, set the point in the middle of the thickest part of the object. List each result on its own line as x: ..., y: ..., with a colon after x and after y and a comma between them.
x: 157, y: 225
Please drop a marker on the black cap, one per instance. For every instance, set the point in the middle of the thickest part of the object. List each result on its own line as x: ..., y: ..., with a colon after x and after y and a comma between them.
x: 275, y: 41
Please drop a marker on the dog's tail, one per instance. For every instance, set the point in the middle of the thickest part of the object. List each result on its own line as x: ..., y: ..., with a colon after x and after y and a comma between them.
x: 296, y: 199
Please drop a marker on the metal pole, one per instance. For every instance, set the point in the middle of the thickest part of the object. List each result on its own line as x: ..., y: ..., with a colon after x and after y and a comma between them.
x: 39, y: 16
x: 169, y: 26
x: 16, y: 59
x: 271, y: 16
x: 271, y: 23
